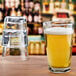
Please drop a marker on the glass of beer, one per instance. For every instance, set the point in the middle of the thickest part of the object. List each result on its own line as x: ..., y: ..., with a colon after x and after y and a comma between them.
x: 58, y: 35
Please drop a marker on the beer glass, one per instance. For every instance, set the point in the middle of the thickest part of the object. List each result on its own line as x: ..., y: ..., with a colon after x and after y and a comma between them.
x: 58, y: 35
x: 14, y: 39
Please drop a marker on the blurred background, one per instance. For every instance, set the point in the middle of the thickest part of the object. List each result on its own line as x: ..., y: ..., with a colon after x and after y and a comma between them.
x: 35, y: 12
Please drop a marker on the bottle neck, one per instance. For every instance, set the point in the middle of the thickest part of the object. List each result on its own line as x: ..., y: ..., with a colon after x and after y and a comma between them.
x: 63, y: 0
x: 51, y: 0
x: 70, y: 1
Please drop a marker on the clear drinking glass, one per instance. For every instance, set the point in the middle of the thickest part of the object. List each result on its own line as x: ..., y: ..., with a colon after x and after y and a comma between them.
x: 14, y: 39
x: 58, y: 35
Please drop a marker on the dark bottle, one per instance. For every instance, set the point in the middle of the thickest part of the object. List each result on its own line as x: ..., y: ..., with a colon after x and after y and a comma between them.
x: 1, y: 16
x: 35, y: 30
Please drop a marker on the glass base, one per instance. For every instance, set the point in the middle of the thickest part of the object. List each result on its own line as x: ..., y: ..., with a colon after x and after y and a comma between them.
x: 59, y: 70
x: 12, y: 59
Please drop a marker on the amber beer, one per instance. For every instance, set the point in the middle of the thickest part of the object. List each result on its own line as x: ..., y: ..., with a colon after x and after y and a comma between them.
x: 59, y: 43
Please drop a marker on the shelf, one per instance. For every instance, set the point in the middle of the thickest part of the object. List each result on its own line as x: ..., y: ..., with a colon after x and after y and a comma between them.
x: 32, y: 23
x: 47, y: 14
x: 51, y: 14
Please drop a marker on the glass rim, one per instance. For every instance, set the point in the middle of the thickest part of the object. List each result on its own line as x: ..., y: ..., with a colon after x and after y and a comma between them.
x: 14, y: 17
x: 58, y: 24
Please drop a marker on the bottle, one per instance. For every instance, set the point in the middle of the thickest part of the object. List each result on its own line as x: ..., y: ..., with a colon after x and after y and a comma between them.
x: 31, y: 4
x: 1, y: 30
x: 51, y: 6
x: 31, y: 47
x: 35, y: 30
x: 63, y: 4
x: 36, y: 18
x: 19, y: 13
x: 40, y: 30
x: 25, y: 15
x: 43, y: 48
x: 7, y: 3
x: 71, y: 6
x: 28, y: 30
x: 39, y: 18
x: 22, y: 3
x: 45, y: 6
x: 37, y: 6
x: 30, y: 10
x: 12, y: 3
x: 2, y: 6
x: 26, y: 4
x: 1, y: 16
x: 22, y: 9
x: 30, y: 19
x: 13, y: 12
x: 17, y: 3
x: 37, y: 47
x: 1, y: 49
x: 57, y: 5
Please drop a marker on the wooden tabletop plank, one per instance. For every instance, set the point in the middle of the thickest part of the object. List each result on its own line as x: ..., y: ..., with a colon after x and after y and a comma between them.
x: 34, y: 66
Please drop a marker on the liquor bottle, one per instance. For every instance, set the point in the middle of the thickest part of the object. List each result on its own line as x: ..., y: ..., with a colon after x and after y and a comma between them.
x: 28, y: 30
x: 17, y: 3
x: 27, y: 4
x: 1, y: 29
x: 30, y: 19
x: 22, y: 5
x: 43, y: 48
x: 7, y: 3
x: 31, y: 47
x: 37, y: 6
x: 57, y: 5
x: 30, y: 9
x: 25, y: 15
x: 22, y: 2
x: 1, y: 16
x: 2, y: 5
x: 36, y: 17
x: 31, y: 4
x: 40, y: 30
x: 63, y: 4
x: 22, y: 9
x: 13, y: 12
x: 45, y: 6
x: 35, y: 30
x: 71, y: 6
x: 51, y: 5
x: 37, y: 47
x: 19, y: 13
x: 39, y: 18
x: 1, y: 48
x: 12, y: 3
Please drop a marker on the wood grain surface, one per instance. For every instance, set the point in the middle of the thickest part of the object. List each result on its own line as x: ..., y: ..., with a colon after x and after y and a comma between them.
x: 34, y: 66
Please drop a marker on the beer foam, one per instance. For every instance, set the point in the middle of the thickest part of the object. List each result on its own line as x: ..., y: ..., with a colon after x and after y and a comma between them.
x: 58, y: 31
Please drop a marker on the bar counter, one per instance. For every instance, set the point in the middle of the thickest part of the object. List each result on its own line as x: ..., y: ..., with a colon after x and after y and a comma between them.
x: 34, y: 66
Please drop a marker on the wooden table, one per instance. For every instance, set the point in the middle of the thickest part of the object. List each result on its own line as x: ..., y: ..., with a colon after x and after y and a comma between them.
x: 34, y: 66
